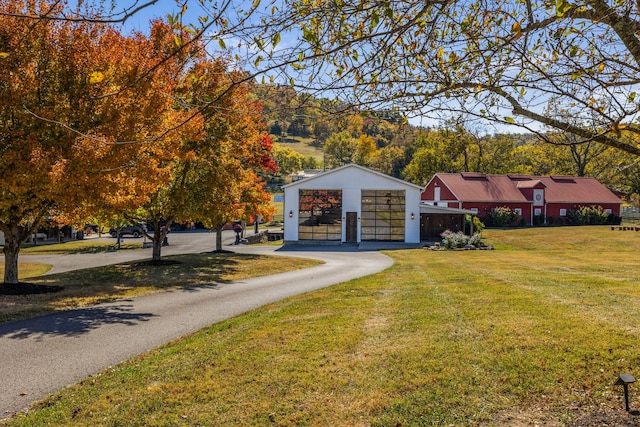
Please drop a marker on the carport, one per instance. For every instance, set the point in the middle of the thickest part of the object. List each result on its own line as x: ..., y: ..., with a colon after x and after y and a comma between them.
x: 436, y: 219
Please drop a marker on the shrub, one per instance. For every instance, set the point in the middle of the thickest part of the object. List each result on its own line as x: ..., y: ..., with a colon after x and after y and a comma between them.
x: 504, y: 216
x: 587, y: 215
x: 451, y: 240
x: 478, y: 225
x: 614, y: 220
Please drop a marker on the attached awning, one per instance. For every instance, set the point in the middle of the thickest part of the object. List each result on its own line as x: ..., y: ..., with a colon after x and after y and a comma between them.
x: 426, y: 208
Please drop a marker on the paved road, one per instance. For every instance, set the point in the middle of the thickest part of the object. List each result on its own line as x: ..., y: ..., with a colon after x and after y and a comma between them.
x: 43, y: 355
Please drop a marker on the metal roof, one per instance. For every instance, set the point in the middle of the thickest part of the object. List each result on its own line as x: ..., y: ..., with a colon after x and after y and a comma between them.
x: 506, y: 188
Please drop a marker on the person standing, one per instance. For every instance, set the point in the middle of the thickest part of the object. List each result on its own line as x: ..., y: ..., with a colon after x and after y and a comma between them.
x: 237, y: 227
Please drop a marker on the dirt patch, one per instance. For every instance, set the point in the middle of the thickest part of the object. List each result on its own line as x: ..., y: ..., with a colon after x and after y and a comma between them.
x: 526, y: 418
x: 607, y: 418
x: 604, y: 417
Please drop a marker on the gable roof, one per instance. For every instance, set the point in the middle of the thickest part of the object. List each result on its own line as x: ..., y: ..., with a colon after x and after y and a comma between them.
x: 355, y: 176
x: 474, y: 187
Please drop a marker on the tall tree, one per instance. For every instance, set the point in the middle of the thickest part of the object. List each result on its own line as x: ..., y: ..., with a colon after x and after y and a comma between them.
x: 287, y: 159
x: 221, y: 179
x: 438, y: 151
x: 339, y: 149
x: 85, y: 112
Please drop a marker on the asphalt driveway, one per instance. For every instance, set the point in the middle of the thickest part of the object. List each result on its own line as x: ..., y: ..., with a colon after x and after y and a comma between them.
x: 43, y: 355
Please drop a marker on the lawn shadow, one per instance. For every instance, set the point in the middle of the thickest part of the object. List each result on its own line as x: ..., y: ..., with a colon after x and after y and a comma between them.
x: 73, y: 322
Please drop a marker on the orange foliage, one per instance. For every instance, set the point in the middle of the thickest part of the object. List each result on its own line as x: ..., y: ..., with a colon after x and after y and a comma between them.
x: 88, y: 120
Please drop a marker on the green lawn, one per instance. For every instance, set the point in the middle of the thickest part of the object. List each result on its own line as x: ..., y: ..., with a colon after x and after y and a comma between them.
x: 303, y: 146
x: 537, y: 331
x: 77, y: 247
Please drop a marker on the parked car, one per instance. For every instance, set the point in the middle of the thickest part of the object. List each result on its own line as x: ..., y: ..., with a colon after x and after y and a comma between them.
x: 136, y: 230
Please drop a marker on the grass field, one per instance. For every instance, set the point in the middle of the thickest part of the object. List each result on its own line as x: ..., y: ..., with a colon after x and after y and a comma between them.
x: 535, y: 332
x: 303, y: 146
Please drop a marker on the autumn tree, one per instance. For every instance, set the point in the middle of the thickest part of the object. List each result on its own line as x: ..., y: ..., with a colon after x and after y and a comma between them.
x: 438, y: 151
x: 287, y: 159
x: 85, y: 121
x: 365, y: 151
x: 339, y: 149
x: 390, y: 160
x: 221, y: 181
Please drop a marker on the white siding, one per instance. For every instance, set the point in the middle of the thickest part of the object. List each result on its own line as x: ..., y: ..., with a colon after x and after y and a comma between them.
x: 352, y: 179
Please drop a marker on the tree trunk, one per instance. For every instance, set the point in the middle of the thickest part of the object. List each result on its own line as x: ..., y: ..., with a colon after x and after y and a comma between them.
x: 219, y: 229
x: 158, y: 237
x: 219, y: 239
x: 11, y: 250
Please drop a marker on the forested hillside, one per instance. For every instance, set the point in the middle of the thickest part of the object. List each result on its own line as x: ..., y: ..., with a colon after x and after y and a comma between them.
x: 315, y: 133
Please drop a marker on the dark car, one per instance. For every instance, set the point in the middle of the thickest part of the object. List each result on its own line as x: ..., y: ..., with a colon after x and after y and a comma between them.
x: 134, y: 230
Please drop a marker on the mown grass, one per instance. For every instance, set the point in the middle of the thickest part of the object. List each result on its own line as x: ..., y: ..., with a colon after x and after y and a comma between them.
x: 103, y: 284
x: 30, y: 269
x: 541, y: 326
x: 303, y: 146
x: 78, y: 247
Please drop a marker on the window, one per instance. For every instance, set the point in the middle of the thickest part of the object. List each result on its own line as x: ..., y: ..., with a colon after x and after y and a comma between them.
x: 518, y: 211
x: 563, y: 212
x: 537, y: 211
x: 608, y: 211
x: 474, y: 210
x: 383, y: 215
x: 320, y: 216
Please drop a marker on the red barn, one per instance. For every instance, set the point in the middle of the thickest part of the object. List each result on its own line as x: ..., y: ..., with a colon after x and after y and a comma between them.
x: 530, y: 196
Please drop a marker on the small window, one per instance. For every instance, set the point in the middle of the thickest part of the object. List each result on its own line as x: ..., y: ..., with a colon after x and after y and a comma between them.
x: 474, y: 210
x: 563, y: 212
x: 608, y: 211
x: 537, y: 212
x: 518, y: 211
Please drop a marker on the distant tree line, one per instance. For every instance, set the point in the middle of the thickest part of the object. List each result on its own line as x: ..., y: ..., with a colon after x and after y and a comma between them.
x: 384, y: 141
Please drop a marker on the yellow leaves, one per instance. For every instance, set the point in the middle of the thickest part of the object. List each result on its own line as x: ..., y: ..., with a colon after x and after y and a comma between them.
x: 516, y: 28
x: 96, y: 77
x: 177, y: 41
x: 562, y: 7
x: 573, y: 51
x: 4, y: 54
x: 275, y: 39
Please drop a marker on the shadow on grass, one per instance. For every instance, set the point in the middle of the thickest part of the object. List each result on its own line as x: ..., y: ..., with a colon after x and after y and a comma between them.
x: 25, y: 288
x: 88, y: 287
x: 92, y: 286
x: 73, y: 322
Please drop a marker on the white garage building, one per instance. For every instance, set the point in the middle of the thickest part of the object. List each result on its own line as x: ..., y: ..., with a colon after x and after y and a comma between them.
x: 351, y: 204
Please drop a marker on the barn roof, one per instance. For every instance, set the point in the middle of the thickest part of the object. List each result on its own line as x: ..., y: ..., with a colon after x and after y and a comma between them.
x: 479, y: 187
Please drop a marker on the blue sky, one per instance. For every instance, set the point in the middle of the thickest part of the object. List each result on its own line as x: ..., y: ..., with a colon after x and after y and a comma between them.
x: 140, y: 22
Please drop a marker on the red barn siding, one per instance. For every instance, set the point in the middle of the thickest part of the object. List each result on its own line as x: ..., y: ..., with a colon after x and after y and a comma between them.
x: 487, y: 192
